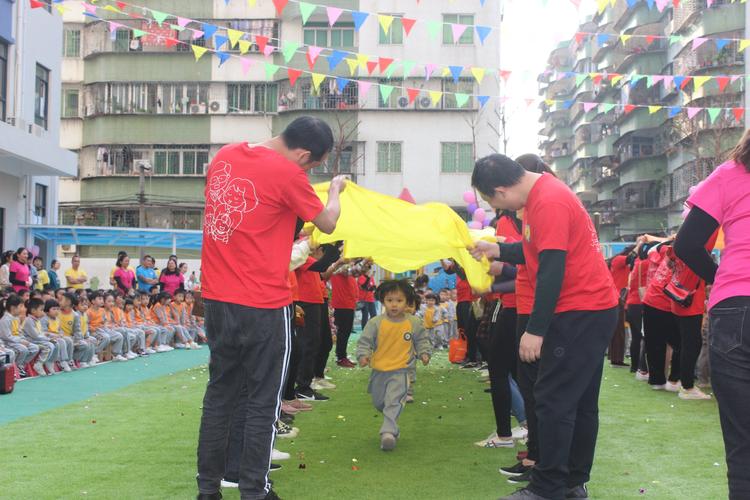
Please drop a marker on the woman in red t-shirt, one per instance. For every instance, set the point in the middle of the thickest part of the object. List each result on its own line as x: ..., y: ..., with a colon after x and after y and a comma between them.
x: 618, y: 267
x: 634, y: 315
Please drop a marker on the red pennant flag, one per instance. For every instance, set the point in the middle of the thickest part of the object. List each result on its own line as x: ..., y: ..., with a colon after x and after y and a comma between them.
x: 408, y: 24
x: 597, y: 78
x: 580, y: 36
x: 676, y: 3
x: 406, y: 196
x: 262, y: 41
x: 628, y: 108
x: 412, y: 93
x: 650, y: 39
x: 371, y: 65
x: 35, y: 4
x: 171, y: 42
x: 121, y: 5
x: 293, y: 75
x: 738, y: 113
x: 280, y: 4
x: 383, y: 63
x: 687, y: 80
x: 504, y: 74
x: 723, y: 82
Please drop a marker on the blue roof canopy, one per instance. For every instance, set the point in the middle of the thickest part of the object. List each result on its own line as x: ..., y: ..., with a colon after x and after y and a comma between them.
x: 118, y: 236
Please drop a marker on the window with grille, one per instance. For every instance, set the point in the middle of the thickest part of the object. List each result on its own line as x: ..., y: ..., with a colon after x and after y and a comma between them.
x: 121, y: 42
x: 72, y: 43
x: 41, y: 96
x: 389, y: 157
x: 321, y: 35
x: 395, y: 35
x: 456, y: 157
x: 450, y: 88
x: 123, y: 218
x: 252, y: 97
x: 466, y: 19
x: 180, y: 160
x: 40, y: 200
x: 70, y: 103
x: 187, y: 219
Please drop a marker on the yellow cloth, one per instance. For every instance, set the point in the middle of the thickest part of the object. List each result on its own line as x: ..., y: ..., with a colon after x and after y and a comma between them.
x: 394, y: 346
x: 400, y: 236
x: 14, y: 326
x: 84, y: 325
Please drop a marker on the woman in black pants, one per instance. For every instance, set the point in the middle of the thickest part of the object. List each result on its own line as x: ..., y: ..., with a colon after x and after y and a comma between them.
x: 634, y: 316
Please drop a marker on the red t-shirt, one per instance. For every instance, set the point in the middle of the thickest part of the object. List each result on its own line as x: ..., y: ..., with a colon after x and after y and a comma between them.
x: 697, y: 306
x: 620, y: 271
x: 294, y: 287
x: 555, y: 219
x: 309, y: 283
x: 506, y: 227
x: 524, y: 291
x: 344, y: 291
x: 253, y: 199
x: 463, y: 290
x: 659, y: 274
x: 363, y: 294
x: 638, y: 278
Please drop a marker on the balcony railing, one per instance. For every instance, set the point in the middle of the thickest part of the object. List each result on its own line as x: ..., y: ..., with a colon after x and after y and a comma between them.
x: 638, y: 195
x: 691, y: 61
x: 689, y: 175
x: 687, y: 9
x: 636, y: 147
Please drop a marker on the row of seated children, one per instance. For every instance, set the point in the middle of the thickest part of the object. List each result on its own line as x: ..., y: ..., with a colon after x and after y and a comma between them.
x: 438, y: 313
x: 44, y: 335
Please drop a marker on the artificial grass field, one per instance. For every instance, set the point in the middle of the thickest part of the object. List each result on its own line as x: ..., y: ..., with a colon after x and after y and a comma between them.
x: 138, y: 442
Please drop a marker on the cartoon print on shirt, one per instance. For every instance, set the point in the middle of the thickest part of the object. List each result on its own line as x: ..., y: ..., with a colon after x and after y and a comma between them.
x: 227, y: 201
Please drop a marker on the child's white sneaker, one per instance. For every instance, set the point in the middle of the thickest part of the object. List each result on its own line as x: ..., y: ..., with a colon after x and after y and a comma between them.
x: 179, y: 346
x: 162, y: 348
x: 279, y: 455
x: 520, y: 433
x: 493, y: 441
x: 94, y: 360
x: 39, y: 369
x: 131, y: 355
x: 84, y: 365
x: 50, y: 368
x: 195, y: 345
x: 65, y: 366
x: 673, y: 387
x: 119, y: 357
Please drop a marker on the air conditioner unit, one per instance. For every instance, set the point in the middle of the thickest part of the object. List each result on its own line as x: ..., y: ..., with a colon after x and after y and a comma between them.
x: 217, y: 107
x: 403, y: 102
x: 68, y: 248
x: 144, y: 165
x: 426, y: 103
x: 198, y: 109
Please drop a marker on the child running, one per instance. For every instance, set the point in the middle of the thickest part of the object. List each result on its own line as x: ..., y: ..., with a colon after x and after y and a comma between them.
x: 388, y: 344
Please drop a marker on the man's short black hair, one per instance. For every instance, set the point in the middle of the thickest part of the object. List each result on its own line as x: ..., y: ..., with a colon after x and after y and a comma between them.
x: 495, y: 171
x: 311, y: 134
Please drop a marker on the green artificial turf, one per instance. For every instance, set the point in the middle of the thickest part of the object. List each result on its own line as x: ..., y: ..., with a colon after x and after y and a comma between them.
x: 139, y: 442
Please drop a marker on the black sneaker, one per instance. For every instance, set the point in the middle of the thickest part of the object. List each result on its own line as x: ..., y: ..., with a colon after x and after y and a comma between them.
x: 524, y: 477
x: 312, y: 396
x: 578, y: 492
x: 272, y: 496
x: 516, y: 470
x: 209, y: 496
x: 287, y: 419
x: 273, y: 468
x: 523, y: 494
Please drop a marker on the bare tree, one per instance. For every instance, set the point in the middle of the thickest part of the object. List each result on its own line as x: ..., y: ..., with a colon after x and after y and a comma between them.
x: 346, y: 126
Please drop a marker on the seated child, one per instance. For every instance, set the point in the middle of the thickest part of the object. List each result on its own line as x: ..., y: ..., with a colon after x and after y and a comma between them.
x: 181, y: 317
x: 32, y: 331
x: 51, y: 329
x: 144, y: 317
x: 388, y: 344
x: 10, y: 333
x: 162, y: 314
x: 97, y: 327
x: 73, y: 328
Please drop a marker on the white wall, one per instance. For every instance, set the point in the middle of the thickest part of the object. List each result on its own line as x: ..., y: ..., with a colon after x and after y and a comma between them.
x: 10, y: 192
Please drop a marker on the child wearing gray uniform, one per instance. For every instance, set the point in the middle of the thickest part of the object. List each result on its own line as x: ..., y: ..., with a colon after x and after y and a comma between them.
x: 388, y: 345
x: 32, y: 331
x: 10, y: 333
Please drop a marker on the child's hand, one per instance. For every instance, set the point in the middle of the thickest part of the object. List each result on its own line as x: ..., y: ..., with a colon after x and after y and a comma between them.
x: 364, y: 361
x: 425, y: 359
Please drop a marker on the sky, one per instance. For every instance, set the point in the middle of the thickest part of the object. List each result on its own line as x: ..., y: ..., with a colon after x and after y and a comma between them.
x: 530, y: 30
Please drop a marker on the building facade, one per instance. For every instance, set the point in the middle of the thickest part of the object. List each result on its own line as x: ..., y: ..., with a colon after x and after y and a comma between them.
x: 633, y: 168
x: 131, y: 103
x: 31, y: 158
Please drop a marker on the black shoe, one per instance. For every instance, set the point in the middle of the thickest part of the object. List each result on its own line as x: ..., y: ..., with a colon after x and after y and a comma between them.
x: 524, y: 477
x: 578, y: 492
x: 469, y: 365
x: 516, y: 470
x: 273, y: 468
x: 272, y: 496
x: 287, y: 419
x: 523, y: 494
x: 209, y: 496
x: 312, y: 396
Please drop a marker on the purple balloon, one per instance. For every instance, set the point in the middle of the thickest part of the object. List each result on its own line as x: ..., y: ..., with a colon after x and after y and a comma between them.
x: 471, y: 208
x: 475, y: 224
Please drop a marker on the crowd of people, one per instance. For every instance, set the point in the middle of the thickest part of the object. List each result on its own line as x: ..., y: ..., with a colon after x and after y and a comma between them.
x: 47, y: 328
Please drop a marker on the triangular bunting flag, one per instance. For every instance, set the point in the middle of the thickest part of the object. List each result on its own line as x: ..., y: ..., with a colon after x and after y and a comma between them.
x: 244, y: 46
x: 138, y: 33
x: 209, y: 30
x: 293, y: 75
x: 306, y: 9
x: 628, y: 108
x: 721, y: 43
x: 220, y: 40
x: 247, y: 63
x: 35, y: 4
x: 171, y: 42
x: 478, y: 74
x: 261, y: 42
x: 364, y: 87
x: 385, y: 22
x: 674, y: 111
x: 456, y: 72
x: 289, y: 49
x: 333, y: 14
x: 433, y: 29
x: 675, y: 39
x: 429, y: 69
x: 352, y: 63
x: 461, y: 99
x: 435, y: 96
x: 607, y: 107
x: 280, y: 4
x: 223, y: 56
x: 385, y: 91
x: 412, y: 93
x: 483, y: 100
x: 654, y: 109
x: 391, y: 69
x: 744, y: 43
x: 713, y: 113
x: 159, y: 16
x: 697, y: 42
x: 271, y: 70
x: 181, y: 21
x: 335, y: 59
x: 312, y: 55
x: 667, y: 81
x: 482, y: 32
x: 407, y: 67
x: 616, y: 79
x: 341, y: 83
x: 407, y: 24
x: 383, y: 63
x: 371, y: 65
x: 699, y: 81
x: 458, y: 31
x: 234, y: 36
x: 197, y: 34
x: 580, y: 79
x: 198, y: 51
x: 505, y: 74
x: 588, y: 106
x: 723, y: 81
x: 738, y: 113
x: 359, y: 19
x: 691, y: 112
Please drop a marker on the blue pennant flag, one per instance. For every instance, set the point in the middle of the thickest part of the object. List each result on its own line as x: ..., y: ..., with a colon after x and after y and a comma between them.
x: 335, y: 59
x: 602, y: 38
x: 674, y: 110
x: 721, y: 43
x: 223, y: 56
x: 456, y: 72
x: 483, y: 100
x: 220, y: 40
x: 209, y: 30
x: 341, y: 83
x: 359, y: 19
x: 650, y: 4
x: 678, y: 81
x: 569, y: 74
x: 483, y: 32
x: 567, y: 104
x: 632, y: 3
x: 481, y: 2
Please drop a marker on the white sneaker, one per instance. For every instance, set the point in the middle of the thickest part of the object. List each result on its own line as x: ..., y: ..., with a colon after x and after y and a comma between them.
x: 84, y: 365
x: 39, y: 369
x: 229, y: 484
x: 65, y: 366
x: 484, y: 373
x: 150, y: 351
x: 162, y: 348
x: 179, y: 346
x: 195, y: 345
x: 279, y: 455
x: 660, y: 387
x: 643, y: 377
x: 493, y: 441
x: 321, y: 384
x: 168, y: 348
x: 520, y: 433
x: 131, y: 355
x: 673, y: 387
x: 693, y: 394
x: 50, y: 368
x: 119, y: 357
x: 94, y: 360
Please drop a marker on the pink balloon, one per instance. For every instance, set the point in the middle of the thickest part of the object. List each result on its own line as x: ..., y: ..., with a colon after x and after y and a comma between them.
x: 470, y: 197
x: 471, y: 208
x: 479, y: 215
x: 475, y: 224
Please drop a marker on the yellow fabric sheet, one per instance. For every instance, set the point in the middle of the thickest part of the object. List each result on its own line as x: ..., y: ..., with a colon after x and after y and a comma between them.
x: 400, y: 236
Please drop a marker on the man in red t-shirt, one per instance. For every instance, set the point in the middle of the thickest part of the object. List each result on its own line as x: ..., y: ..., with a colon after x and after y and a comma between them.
x: 254, y: 195
x: 574, y: 315
x: 367, y: 302
x: 344, y: 295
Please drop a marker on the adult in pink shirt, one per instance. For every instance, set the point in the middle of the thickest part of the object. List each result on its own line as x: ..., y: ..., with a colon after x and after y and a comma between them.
x: 171, y: 279
x: 124, y: 277
x: 20, y: 274
x: 723, y: 199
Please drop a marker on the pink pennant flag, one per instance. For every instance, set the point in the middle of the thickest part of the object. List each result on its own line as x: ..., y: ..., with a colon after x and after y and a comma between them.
x: 197, y: 34
x: 113, y: 26
x: 667, y: 81
x: 691, y: 112
x: 735, y: 78
x: 247, y: 63
x: 588, y: 106
x: 333, y: 14
x: 313, y: 52
x: 429, y: 69
x: 268, y: 50
x: 710, y: 2
x: 183, y: 21
x: 364, y: 87
x: 656, y: 79
x: 458, y: 30
x: 577, y: 3
x: 662, y: 4
x: 697, y: 42
x: 91, y: 9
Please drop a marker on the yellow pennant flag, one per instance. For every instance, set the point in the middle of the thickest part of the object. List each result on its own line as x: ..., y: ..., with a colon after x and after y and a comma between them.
x: 251, y: 3
x: 478, y: 74
x: 549, y: 102
x: 385, y: 22
x: 699, y: 81
x: 244, y: 46
x: 352, y: 63
x: 616, y: 79
x: 317, y: 79
x: 601, y: 5
x: 60, y: 9
x: 744, y: 43
x: 234, y: 36
x: 625, y: 38
x: 112, y: 8
x: 435, y: 95
x: 198, y: 51
x: 362, y: 60
x: 446, y: 72
x: 654, y: 109
x: 400, y: 236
